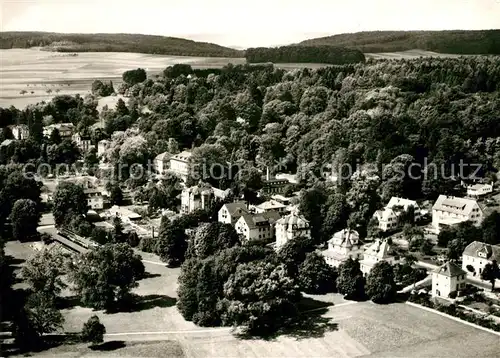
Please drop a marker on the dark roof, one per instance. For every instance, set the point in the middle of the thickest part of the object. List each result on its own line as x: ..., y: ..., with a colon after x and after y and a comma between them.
x: 450, y: 269
x: 475, y: 248
x: 235, y: 207
x: 263, y: 219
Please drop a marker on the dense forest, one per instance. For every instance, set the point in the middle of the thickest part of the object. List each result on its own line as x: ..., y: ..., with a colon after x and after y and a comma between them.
x: 159, y: 45
x: 304, y: 54
x: 464, y: 42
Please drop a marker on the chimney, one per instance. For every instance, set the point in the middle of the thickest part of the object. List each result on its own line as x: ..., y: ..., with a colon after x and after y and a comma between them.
x: 268, y: 176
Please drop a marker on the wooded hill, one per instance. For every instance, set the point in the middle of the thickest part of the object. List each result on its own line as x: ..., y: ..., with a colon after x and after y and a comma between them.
x: 454, y: 42
x: 115, y: 43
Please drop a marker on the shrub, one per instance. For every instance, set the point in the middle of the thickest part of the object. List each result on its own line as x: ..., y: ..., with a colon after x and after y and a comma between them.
x: 93, y: 330
x: 147, y: 244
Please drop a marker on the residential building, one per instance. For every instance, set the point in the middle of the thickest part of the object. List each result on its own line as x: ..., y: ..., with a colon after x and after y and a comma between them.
x: 376, y: 252
x: 102, y: 146
x: 179, y: 164
x: 447, y: 279
x: 282, y: 199
x: 82, y: 141
x: 272, y: 185
x: 200, y: 196
x: 161, y: 162
x: 450, y: 210
x: 478, y: 190
x: 291, y: 227
x: 389, y: 217
x: 126, y: 215
x: 343, y: 245
x: 65, y: 129
x: 476, y: 255
x: 7, y: 142
x: 270, y: 205
x: 20, y: 131
x: 231, y: 212
x: 258, y: 226
x: 95, y: 199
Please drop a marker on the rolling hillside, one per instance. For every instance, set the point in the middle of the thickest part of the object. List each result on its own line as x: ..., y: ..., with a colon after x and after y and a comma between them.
x: 453, y: 42
x: 114, y: 43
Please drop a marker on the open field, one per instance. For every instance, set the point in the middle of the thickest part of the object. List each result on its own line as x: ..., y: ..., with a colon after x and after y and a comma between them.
x: 37, y: 71
x: 407, y: 55
x: 363, y: 329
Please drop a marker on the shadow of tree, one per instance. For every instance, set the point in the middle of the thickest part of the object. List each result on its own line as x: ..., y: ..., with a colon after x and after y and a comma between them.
x: 67, y: 302
x: 108, y: 346
x: 149, y: 275
x: 152, y: 301
x: 308, y: 324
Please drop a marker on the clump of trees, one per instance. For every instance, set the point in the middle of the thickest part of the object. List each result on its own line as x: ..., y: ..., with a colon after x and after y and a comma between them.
x: 102, y: 89
x: 93, y: 331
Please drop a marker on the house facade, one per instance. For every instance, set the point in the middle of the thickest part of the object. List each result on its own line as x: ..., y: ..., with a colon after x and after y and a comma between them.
x: 95, y: 199
x: 161, y: 162
x: 376, y: 252
x: 447, y: 279
x: 343, y: 245
x: 102, y: 146
x: 476, y: 255
x: 83, y: 142
x: 195, y: 198
x: 20, y: 131
x: 179, y: 164
x: 291, y: 227
x: 450, y: 210
x: 65, y: 129
x: 388, y: 218
x: 270, y: 205
x: 231, y: 212
x: 258, y: 226
x: 478, y: 190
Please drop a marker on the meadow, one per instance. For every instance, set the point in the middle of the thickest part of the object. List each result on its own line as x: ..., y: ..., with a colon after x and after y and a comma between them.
x: 37, y: 72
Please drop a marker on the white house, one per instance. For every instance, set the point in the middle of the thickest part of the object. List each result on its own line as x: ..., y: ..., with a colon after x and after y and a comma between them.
x: 478, y: 190
x: 95, y: 199
x: 65, y: 129
x: 82, y: 141
x: 270, y: 205
x: 200, y: 197
x: 20, y: 131
x: 476, y: 255
x: 343, y: 245
x: 450, y: 210
x: 179, y: 164
x: 376, y: 252
x: 291, y: 227
x: 102, y: 146
x: 388, y: 218
x: 447, y: 279
x: 161, y: 162
x: 231, y: 212
x: 257, y: 226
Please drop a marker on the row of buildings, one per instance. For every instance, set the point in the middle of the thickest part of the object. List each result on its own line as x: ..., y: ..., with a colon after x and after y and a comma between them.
x: 446, y: 211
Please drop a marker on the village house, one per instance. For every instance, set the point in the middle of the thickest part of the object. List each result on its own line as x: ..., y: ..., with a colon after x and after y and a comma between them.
x: 282, y: 199
x: 200, y: 197
x: 161, y: 162
x: 447, y: 279
x: 20, y: 131
x: 291, y: 227
x: 478, y: 190
x: 389, y: 218
x: 476, y: 255
x: 231, y: 212
x: 343, y: 245
x: 179, y: 164
x: 102, y: 146
x: 83, y: 142
x: 257, y: 226
x: 450, y: 210
x: 376, y: 252
x: 95, y: 199
x: 270, y: 205
x: 65, y: 130
x: 127, y: 216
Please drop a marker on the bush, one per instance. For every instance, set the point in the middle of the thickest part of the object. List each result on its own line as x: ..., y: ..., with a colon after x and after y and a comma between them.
x: 147, y: 244
x: 93, y: 330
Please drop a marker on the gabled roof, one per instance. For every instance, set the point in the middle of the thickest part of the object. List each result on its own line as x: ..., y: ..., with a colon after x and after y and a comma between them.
x: 455, y: 205
x: 294, y: 221
x: 475, y: 248
x: 405, y: 203
x: 163, y: 156
x: 258, y: 220
x: 235, y: 208
x: 450, y: 269
x: 182, y: 156
x: 270, y: 204
x: 380, y: 249
x: 7, y: 142
x: 345, y: 238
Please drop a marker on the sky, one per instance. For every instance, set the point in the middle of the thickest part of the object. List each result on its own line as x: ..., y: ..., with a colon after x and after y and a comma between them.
x: 244, y: 24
